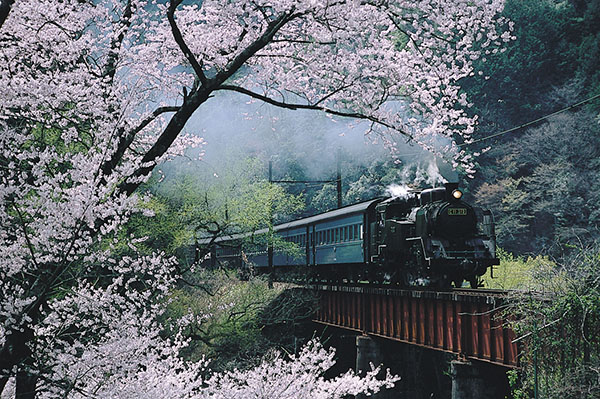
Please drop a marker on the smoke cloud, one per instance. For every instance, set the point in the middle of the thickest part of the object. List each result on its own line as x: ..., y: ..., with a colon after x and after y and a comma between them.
x: 236, y: 127
x: 399, y: 191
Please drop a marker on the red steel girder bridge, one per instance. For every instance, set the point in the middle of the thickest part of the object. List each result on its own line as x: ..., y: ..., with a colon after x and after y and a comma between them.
x: 461, y: 321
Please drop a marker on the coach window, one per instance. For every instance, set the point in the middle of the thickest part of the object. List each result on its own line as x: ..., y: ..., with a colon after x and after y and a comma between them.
x: 361, y: 231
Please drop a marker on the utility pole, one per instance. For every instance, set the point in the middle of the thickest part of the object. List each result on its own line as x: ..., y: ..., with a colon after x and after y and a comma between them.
x: 337, y: 181
x: 270, y: 233
x: 339, y: 178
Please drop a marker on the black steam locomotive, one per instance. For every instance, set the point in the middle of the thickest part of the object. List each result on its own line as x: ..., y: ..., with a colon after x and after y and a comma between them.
x: 426, y: 238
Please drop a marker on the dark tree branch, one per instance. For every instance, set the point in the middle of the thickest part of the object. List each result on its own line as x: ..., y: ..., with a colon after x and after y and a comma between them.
x: 314, y: 107
x: 115, y: 45
x: 302, y: 41
x: 197, y: 98
x: 181, y: 42
x: 126, y: 138
x: 255, y: 46
x: 5, y: 6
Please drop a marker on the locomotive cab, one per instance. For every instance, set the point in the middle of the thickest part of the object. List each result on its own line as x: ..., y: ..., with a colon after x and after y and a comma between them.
x: 389, y: 232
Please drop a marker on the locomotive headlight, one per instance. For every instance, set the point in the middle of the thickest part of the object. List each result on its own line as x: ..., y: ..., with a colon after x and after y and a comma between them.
x: 457, y: 194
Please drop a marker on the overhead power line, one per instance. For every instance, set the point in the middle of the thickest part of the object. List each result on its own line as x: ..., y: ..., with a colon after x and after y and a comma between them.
x: 532, y: 122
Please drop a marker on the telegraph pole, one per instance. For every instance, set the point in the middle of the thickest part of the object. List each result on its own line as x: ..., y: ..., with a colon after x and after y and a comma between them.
x: 337, y: 181
x: 339, y: 178
x: 270, y: 233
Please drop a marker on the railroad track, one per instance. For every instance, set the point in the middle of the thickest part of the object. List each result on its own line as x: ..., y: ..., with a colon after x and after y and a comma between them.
x: 410, y: 291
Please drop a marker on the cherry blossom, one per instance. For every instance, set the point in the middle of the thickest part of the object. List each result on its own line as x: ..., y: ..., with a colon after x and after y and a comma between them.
x: 95, y: 94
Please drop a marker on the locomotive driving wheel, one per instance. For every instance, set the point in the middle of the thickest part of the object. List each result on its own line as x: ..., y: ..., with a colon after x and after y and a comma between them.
x: 474, y: 282
x: 458, y: 282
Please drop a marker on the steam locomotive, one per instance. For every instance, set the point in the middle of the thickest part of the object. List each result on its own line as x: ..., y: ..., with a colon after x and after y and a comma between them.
x: 426, y: 238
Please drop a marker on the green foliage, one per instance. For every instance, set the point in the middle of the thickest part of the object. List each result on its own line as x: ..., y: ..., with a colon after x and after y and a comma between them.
x: 549, y: 187
x: 261, y: 203
x: 555, y: 42
x: 517, y: 390
x: 541, y: 182
x: 234, y: 323
x: 225, y: 325
x: 516, y: 272
x: 187, y: 208
x: 559, y: 324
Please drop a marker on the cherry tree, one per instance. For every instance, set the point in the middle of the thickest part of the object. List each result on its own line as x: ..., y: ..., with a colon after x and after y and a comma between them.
x: 278, y: 376
x: 95, y: 94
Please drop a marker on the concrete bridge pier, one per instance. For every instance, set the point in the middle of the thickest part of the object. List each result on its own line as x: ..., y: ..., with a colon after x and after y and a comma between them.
x: 367, y: 351
x: 477, y: 381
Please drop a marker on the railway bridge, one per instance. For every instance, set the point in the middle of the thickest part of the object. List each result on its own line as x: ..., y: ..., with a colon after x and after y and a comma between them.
x: 461, y: 322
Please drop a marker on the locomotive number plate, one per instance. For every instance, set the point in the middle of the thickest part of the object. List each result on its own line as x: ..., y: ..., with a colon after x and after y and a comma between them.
x: 457, y: 212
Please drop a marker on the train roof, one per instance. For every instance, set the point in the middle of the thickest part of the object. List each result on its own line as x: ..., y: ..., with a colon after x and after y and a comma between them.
x: 334, y: 214
x: 346, y: 210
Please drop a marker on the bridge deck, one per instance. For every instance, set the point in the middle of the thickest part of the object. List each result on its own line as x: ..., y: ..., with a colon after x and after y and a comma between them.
x: 459, y: 321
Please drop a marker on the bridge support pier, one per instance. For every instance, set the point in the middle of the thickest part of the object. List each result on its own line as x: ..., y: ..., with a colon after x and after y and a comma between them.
x: 477, y: 381
x: 367, y: 352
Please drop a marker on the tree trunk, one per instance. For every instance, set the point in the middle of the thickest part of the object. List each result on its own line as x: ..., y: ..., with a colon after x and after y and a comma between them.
x: 26, y: 384
x: 3, y: 381
x: 5, y: 6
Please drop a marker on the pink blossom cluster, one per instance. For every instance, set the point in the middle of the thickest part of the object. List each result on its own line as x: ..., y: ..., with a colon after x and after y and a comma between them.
x: 95, y: 94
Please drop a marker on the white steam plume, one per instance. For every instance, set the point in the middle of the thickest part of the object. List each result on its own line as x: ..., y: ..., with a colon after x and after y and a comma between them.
x: 398, y: 191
